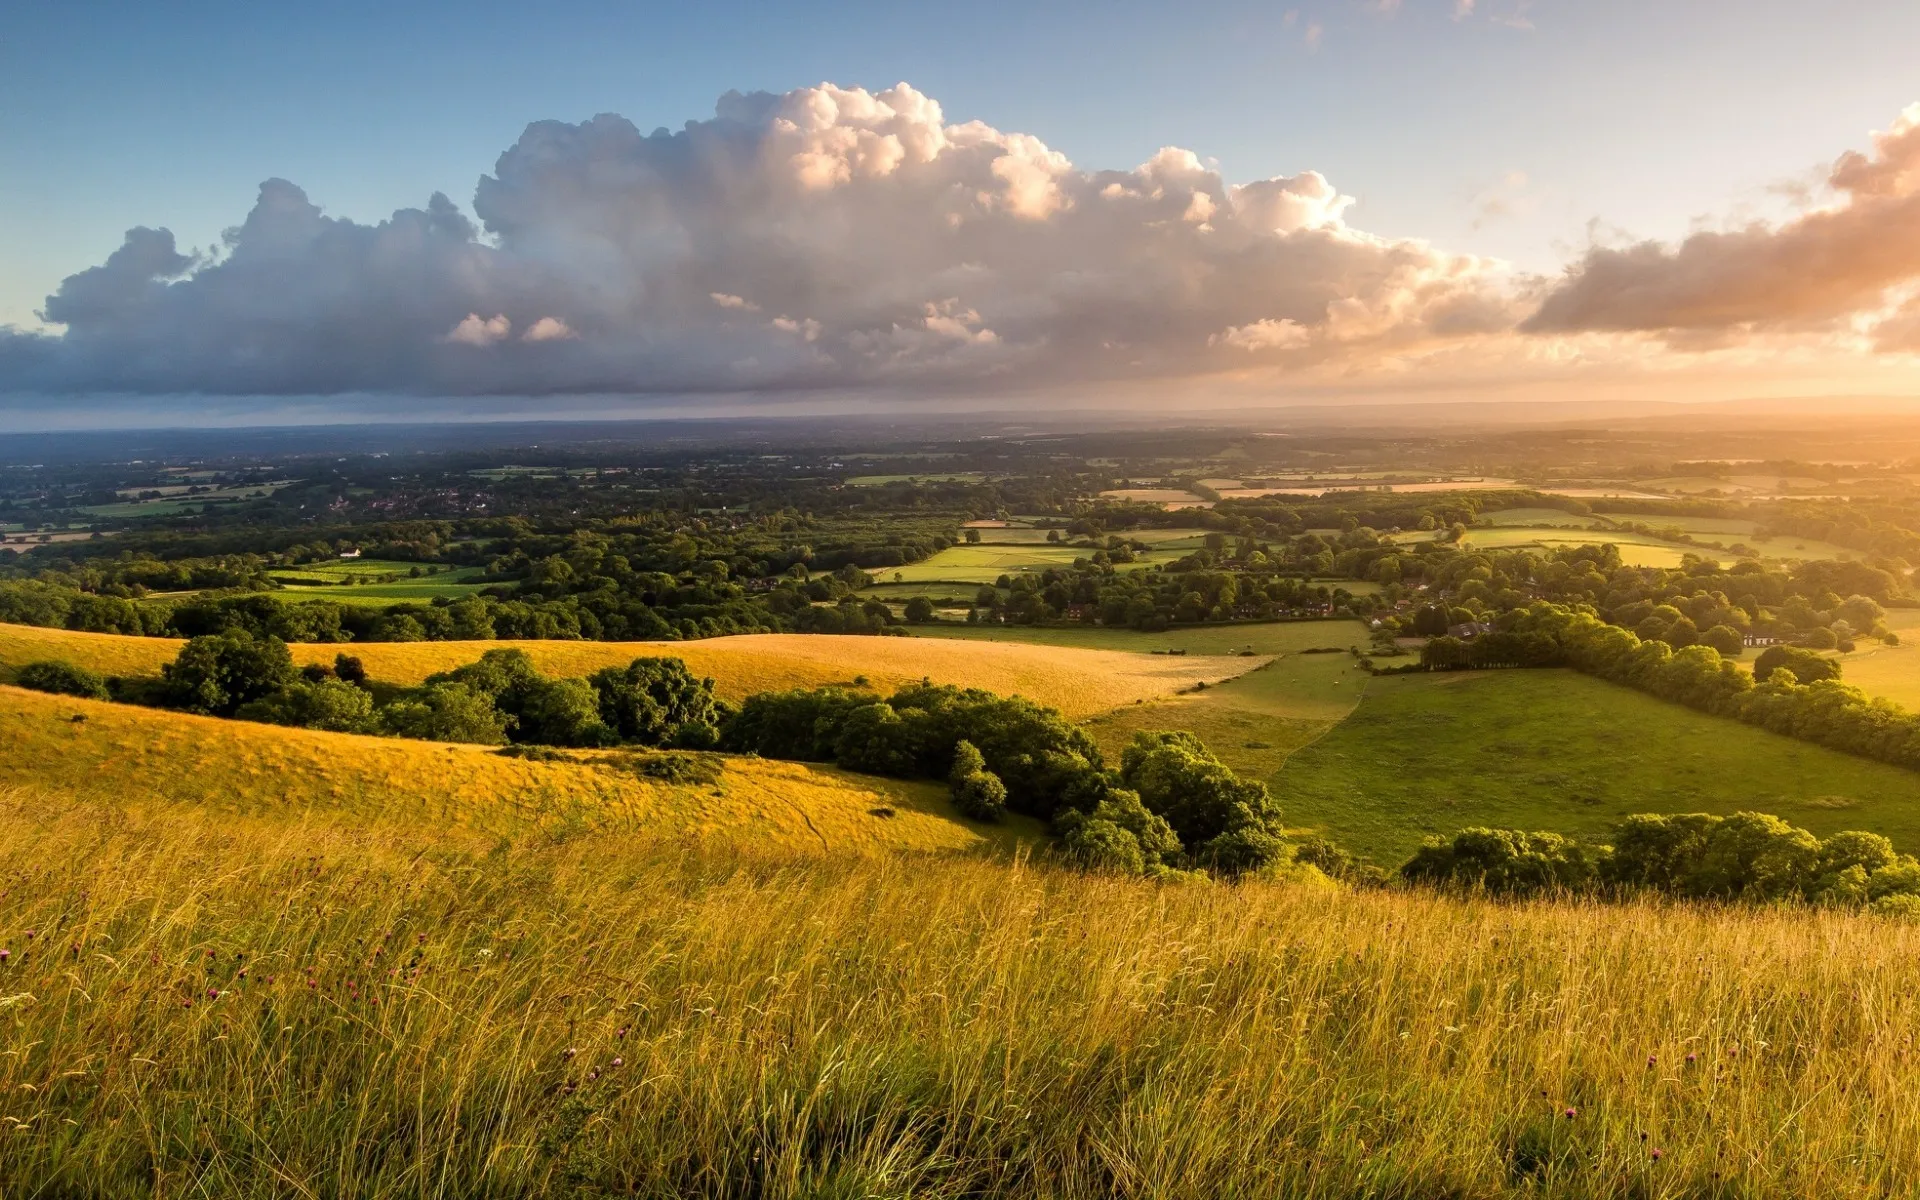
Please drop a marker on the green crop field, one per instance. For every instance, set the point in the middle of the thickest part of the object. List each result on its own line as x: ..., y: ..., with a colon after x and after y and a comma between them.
x: 984, y: 563
x: 1425, y: 754
x: 368, y: 581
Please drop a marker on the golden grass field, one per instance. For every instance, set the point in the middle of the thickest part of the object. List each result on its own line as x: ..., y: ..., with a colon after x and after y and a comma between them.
x: 219, y: 1005
x: 1078, y: 682
x: 241, y: 768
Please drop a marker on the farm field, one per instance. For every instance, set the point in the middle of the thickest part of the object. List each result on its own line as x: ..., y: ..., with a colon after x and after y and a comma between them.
x: 1889, y: 672
x: 1636, y: 550
x: 361, y: 581
x: 988, y: 561
x: 131, y: 754
x: 1078, y: 682
x: 1426, y: 754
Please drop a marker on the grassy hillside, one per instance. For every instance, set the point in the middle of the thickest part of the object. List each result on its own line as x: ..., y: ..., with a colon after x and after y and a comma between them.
x: 239, y: 768
x: 1079, y: 682
x: 233, y: 1006
x: 1556, y: 750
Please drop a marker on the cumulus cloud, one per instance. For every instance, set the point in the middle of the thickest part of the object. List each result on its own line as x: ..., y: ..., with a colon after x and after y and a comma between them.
x: 825, y: 238
x: 1834, y: 266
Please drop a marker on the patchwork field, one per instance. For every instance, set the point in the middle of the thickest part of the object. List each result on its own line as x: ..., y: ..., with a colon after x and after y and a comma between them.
x: 127, y: 753
x: 1077, y: 681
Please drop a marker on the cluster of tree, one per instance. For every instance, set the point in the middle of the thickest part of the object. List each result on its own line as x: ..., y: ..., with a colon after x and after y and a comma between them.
x: 1152, y: 600
x: 499, y: 699
x: 1746, y: 857
x: 1171, y: 805
x: 668, y: 609
x: 1821, y: 709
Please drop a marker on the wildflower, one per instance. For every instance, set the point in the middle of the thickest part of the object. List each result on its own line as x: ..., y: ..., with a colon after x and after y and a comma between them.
x: 1572, y: 1113
x: 213, y: 993
x: 1651, y: 1060
x: 1656, y: 1154
x: 5, y: 955
x: 1693, y: 1058
x: 569, y: 1052
x: 619, y: 1062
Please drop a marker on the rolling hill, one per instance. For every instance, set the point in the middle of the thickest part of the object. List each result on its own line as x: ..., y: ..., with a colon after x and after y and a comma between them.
x: 1079, y: 682
x: 126, y: 753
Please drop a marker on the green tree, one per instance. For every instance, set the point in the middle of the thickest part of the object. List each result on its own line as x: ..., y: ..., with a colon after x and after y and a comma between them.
x: 1806, y: 666
x: 219, y: 672
x: 977, y: 792
x: 651, y: 699
x: 919, y: 610
x: 448, y: 712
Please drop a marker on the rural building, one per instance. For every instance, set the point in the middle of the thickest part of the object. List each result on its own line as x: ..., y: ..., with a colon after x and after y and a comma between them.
x: 349, y: 554
x: 1757, y: 639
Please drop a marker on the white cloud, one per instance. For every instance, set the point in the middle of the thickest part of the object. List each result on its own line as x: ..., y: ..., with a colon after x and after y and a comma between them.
x: 894, y: 248
x: 475, y: 331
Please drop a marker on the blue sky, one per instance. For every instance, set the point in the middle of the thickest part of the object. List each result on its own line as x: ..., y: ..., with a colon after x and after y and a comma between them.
x: 1643, y: 115
x: 1504, y: 131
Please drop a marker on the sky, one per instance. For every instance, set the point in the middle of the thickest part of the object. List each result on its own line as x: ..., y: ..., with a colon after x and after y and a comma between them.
x: 1106, y: 202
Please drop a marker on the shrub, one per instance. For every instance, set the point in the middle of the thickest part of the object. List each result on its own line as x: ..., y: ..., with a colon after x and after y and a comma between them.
x: 1222, y: 819
x: 1118, y: 834
x: 977, y: 792
x: 1504, y: 862
x: 448, y: 712
x: 323, y: 704
x: 62, y: 679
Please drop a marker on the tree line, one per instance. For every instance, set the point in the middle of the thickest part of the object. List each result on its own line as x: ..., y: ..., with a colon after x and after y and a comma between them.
x: 1750, y: 857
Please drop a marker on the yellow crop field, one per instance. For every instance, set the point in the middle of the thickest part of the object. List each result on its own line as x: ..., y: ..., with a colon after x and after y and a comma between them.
x: 1079, y: 682
x: 127, y: 753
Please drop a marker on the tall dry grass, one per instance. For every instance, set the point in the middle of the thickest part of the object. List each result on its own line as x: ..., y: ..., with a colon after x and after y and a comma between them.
x: 242, y: 1007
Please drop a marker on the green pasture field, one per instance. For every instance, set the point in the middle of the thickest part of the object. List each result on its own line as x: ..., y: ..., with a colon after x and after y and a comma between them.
x: 1552, y: 749
x: 344, y: 586
x: 1255, y: 721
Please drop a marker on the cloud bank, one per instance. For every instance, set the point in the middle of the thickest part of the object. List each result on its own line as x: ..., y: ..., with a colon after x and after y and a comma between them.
x: 826, y: 238
x: 1842, y: 265
x: 839, y: 240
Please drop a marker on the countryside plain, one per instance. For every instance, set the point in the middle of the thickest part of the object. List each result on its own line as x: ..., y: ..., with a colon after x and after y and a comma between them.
x: 930, y: 818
